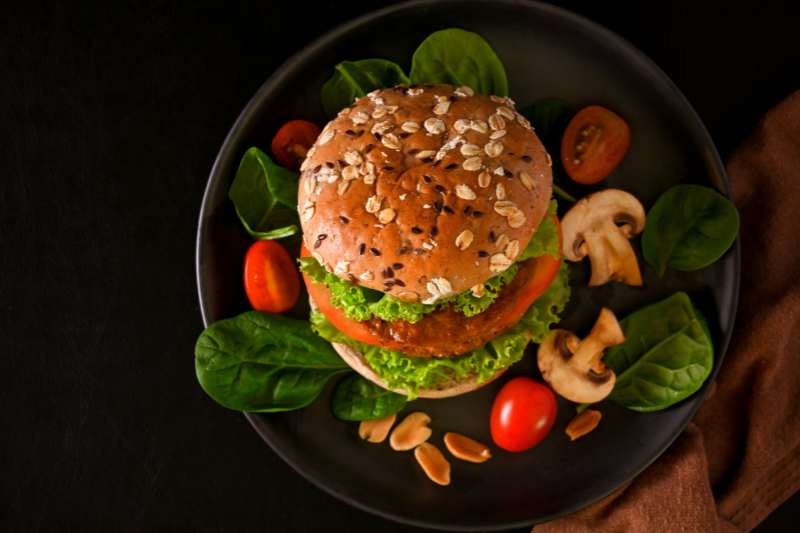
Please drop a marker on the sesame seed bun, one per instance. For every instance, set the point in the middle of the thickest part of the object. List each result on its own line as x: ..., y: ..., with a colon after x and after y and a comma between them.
x: 423, y: 191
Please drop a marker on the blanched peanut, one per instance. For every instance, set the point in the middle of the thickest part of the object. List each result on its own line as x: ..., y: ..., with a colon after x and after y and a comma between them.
x: 376, y: 430
x: 411, y: 432
x: 583, y: 423
x: 433, y: 463
x: 466, y: 449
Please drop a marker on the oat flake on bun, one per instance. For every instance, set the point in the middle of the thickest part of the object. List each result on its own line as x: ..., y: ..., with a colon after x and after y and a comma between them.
x: 424, y: 191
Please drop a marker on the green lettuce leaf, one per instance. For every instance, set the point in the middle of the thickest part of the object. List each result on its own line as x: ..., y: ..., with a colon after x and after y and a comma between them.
x: 545, y: 310
x: 355, y: 300
x: 361, y: 303
x: 400, y: 371
x: 471, y: 305
x: 545, y: 239
x: 390, y: 308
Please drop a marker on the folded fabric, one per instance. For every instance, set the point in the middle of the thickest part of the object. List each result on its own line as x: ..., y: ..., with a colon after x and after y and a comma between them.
x: 740, y: 457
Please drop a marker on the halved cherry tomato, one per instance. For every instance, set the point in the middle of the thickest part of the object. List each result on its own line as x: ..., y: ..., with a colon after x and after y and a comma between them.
x: 594, y: 143
x: 271, y: 279
x: 522, y: 415
x: 293, y: 141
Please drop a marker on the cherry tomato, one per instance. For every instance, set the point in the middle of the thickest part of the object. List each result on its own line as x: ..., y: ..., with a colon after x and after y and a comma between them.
x: 522, y: 414
x: 594, y: 143
x: 271, y: 279
x: 292, y: 142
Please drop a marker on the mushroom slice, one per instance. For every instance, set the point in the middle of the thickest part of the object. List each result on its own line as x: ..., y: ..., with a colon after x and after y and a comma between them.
x: 574, y: 368
x: 591, y: 227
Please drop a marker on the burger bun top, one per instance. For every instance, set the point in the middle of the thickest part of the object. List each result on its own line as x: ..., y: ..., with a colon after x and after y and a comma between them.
x: 423, y: 192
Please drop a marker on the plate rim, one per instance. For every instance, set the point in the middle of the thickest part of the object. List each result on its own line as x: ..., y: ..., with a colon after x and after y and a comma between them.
x: 333, y: 34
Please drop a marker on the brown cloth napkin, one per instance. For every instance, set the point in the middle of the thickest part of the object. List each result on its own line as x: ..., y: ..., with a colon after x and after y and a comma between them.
x: 739, y: 458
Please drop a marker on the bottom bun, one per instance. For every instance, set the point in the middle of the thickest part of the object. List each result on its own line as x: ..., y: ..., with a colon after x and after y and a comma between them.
x: 445, y: 389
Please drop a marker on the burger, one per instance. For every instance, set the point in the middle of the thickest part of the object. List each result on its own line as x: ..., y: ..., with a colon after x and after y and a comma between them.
x: 431, y: 248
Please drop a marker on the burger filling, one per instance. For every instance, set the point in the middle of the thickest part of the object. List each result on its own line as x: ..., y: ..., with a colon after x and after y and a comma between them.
x: 456, y: 324
x: 401, y: 371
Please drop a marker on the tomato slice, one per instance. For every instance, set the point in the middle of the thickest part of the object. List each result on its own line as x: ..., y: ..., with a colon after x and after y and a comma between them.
x: 293, y: 141
x: 270, y: 277
x: 522, y: 414
x: 546, y: 271
x: 322, y: 297
x: 594, y: 143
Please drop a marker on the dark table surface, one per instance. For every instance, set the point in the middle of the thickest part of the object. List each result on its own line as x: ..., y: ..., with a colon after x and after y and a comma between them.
x: 112, y: 116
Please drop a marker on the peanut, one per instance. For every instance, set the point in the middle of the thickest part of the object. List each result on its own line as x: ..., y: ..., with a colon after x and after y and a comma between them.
x: 376, y: 430
x: 411, y: 432
x: 466, y: 449
x: 433, y: 463
x: 583, y: 423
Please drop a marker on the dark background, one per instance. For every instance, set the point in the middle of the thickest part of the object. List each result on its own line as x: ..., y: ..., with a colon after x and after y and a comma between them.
x: 110, y: 120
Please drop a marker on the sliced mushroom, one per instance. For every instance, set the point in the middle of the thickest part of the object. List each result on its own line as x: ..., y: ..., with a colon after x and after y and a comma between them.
x: 600, y: 225
x: 573, y: 367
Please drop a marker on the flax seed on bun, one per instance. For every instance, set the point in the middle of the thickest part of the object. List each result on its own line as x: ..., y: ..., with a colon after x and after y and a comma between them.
x: 423, y: 191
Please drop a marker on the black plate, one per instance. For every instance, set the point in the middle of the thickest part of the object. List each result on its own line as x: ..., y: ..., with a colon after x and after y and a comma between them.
x: 547, y: 52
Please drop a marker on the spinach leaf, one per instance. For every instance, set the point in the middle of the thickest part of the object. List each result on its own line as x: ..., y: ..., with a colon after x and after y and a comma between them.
x: 357, y: 79
x: 265, y: 197
x: 357, y: 398
x: 689, y: 228
x: 550, y: 118
x: 264, y: 362
x: 666, y: 357
x: 545, y: 239
x: 459, y: 58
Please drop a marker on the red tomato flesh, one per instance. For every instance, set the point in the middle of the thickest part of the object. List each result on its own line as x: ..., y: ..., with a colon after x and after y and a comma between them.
x: 522, y: 415
x: 594, y: 143
x: 271, y: 279
x: 292, y: 142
